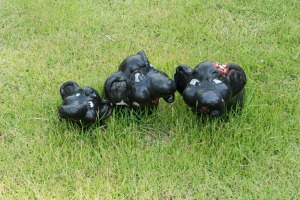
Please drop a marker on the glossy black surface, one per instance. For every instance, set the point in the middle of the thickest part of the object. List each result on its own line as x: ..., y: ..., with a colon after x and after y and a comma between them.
x: 82, y: 104
x: 211, y: 88
x: 137, y: 84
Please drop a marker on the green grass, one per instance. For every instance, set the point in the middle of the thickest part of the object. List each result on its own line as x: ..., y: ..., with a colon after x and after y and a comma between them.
x: 170, y: 154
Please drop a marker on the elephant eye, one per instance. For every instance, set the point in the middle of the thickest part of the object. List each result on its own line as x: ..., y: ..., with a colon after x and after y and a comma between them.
x: 78, y: 93
x: 194, y: 82
x: 138, y: 77
x: 90, y: 104
x: 217, y: 81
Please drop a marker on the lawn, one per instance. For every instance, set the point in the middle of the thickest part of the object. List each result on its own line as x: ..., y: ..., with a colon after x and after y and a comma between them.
x: 170, y: 154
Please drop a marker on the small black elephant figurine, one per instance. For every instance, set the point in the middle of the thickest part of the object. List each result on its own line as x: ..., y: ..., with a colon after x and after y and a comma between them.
x: 211, y: 88
x: 137, y: 84
x: 82, y: 104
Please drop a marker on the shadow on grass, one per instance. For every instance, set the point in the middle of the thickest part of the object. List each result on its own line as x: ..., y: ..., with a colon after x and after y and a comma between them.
x: 125, y: 125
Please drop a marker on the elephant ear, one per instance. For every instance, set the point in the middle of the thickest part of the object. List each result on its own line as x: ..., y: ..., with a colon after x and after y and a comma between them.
x: 144, y: 57
x: 236, y: 77
x: 68, y: 88
x: 181, y: 77
x: 116, y: 88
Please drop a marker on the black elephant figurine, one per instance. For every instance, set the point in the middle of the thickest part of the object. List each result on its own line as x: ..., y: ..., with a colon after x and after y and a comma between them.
x: 82, y: 104
x: 211, y: 88
x: 137, y: 84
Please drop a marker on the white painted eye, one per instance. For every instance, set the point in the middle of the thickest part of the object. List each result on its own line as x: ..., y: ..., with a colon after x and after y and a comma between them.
x: 217, y: 81
x: 137, y: 77
x: 90, y: 104
x: 194, y: 82
x: 78, y: 94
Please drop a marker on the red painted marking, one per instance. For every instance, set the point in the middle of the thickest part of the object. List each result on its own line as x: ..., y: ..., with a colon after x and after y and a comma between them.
x: 222, y: 69
x: 204, y: 107
x: 226, y: 71
x: 155, y: 100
